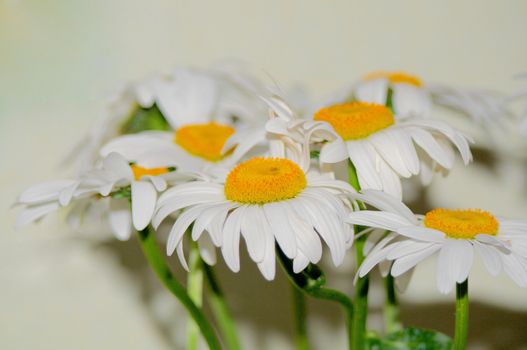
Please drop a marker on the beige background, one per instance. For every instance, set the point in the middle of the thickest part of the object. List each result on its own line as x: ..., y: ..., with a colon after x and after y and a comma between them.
x: 60, y: 59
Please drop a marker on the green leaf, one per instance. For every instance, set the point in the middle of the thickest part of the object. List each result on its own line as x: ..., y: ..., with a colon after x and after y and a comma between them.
x: 410, y: 339
x: 143, y: 119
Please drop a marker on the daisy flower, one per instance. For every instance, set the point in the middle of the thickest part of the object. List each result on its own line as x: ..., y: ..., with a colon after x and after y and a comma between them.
x: 453, y: 236
x: 128, y: 192
x: 199, y: 133
x: 409, y: 95
x: 383, y: 148
x: 186, y: 97
x: 276, y: 199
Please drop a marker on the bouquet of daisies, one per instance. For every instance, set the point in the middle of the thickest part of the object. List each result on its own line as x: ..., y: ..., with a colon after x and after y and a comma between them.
x: 194, y: 162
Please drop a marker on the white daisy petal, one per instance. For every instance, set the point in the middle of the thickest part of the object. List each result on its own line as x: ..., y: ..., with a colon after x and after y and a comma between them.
x: 207, y: 249
x: 47, y: 191
x: 383, y: 220
x: 120, y: 219
x: 300, y: 263
x: 268, y: 266
x: 278, y: 220
x: 428, y: 143
x: 189, y: 98
x: 372, y: 239
x: 396, y: 148
x: 165, y: 210
x: 459, y: 140
x: 181, y: 256
x: 325, y: 223
x: 334, y: 152
x: 363, y: 155
x: 490, y: 257
x: 253, y: 232
x: 377, y: 255
x: 406, y: 247
x: 34, y: 213
x: 118, y: 165
x: 230, y: 247
x: 181, y: 225
x: 422, y: 234
x: 409, y: 261
x: 374, y: 90
x: 516, y: 268
x: 391, y: 183
x: 217, y: 224
x: 307, y: 239
x: 207, y: 216
x: 144, y: 198
x: 159, y: 182
x: 386, y: 202
x: 66, y: 194
x: 454, y: 263
x: 410, y: 100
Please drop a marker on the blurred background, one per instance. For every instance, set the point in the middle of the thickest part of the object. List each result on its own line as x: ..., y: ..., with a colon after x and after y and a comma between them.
x: 59, y: 61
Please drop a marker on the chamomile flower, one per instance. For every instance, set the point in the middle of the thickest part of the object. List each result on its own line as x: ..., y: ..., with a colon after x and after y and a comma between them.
x: 275, y: 199
x: 409, y: 95
x: 199, y: 130
x: 128, y: 192
x: 454, y: 236
x: 186, y: 97
x: 384, y: 148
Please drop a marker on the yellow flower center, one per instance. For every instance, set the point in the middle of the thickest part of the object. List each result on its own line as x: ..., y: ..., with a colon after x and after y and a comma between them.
x: 264, y: 180
x: 204, y: 140
x: 139, y: 171
x: 463, y: 224
x: 356, y: 120
x: 395, y: 78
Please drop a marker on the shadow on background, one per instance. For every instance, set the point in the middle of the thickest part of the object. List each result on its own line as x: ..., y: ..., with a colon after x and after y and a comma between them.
x: 265, y: 307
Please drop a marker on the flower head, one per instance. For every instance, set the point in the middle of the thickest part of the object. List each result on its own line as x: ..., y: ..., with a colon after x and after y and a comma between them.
x: 454, y: 236
x: 168, y: 102
x: 409, y: 95
x: 274, y: 199
x: 383, y: 148
x: 127, y: 192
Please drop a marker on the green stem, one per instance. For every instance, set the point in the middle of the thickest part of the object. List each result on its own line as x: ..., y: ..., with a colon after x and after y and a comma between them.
x: 157, y: 261
x: 360, y: 316
x: 195, y: 292
x: 299, y: 305
x: 311, y: 282
x: 391, y: 308
x: 460, y: 336
x: 221, y: 311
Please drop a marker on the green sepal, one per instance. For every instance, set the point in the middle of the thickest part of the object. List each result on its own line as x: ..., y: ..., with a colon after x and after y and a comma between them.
x: 122, y: 193
x: 143, y: 119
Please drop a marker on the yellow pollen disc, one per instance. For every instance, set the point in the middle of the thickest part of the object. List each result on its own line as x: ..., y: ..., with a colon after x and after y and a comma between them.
x: 463, y: 224
x: 264, y: 180
x: 395, y: 78
x: 204, y: 140
x: 139, y: 171
x: 356, y: 120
